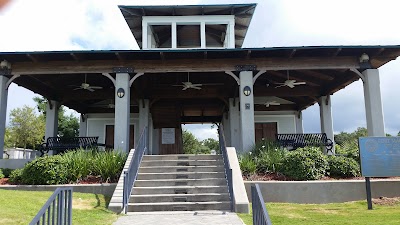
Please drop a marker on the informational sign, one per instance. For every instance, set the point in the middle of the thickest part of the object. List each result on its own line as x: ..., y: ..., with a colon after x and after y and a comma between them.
x: 380, y: 156
x: 168, y: 136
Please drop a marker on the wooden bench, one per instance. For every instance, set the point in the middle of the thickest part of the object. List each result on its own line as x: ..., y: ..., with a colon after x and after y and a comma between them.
x: 59, y: 144
x: 302, y: 140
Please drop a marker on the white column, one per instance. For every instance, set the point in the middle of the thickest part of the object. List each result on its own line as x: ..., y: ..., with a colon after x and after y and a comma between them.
x: 143, y: 116
x: 83, y: 126
x: 373, y: 103
x: 122, y: 113
x: 174, y: 39
x: 325, y: 110
x: 3, y: 111
x: 247, y: 111
x: 227, y: 128
x: 231, y: 32
x: 203, y: 34
x: 144, y: 35
x: 299, y: 122
x: 234, y: 124
x: 51, y: 119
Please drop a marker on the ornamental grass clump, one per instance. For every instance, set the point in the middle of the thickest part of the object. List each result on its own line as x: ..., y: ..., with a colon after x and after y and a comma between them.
x: 79, y: 163
x: 248, y: 166
x: 108, y: 165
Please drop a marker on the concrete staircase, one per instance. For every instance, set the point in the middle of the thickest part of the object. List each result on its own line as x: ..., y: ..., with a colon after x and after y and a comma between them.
x: 180, y: 183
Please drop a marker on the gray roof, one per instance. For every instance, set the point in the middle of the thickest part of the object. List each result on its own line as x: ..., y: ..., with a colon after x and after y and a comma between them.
x: 243, y: 14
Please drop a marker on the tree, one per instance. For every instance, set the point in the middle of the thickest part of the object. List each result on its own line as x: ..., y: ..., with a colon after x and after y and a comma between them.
x: 211, y: 143
x: 68, y: 125
x: 193, y: 146
x: 26, y: 128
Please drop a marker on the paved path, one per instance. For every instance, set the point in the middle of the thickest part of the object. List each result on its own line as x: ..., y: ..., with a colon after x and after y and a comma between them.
x: 186, y: 218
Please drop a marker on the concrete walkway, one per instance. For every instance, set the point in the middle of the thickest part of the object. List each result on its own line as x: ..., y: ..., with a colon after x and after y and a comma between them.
x: 173, y: 218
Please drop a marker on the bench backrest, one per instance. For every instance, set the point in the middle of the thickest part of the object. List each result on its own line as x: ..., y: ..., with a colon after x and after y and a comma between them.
x: 71, y: 143
x: 306, y: 139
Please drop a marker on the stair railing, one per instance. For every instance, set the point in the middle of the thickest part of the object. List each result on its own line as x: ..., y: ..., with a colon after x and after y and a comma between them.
x: 260, y: 213
x: 131, y: 173
x: 57, y: 209
x: 228, y: 169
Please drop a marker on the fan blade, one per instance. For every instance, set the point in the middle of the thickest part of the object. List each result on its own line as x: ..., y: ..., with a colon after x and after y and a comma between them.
x: 184, y: 88
x: 290, y: 85
x: 197, y: 85
x: 178, y: 85
x: 78, y: 88
x: 90, y: 89
x: 197, y: 88
x: 95, y: 87
x: 282, y: 85
x: 299, y: 83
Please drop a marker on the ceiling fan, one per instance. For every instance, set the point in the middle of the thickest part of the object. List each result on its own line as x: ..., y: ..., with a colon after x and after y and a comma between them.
x: 269, y: 103
x: 289, y: 83
x: 86, y: 86
x: 186, y: 85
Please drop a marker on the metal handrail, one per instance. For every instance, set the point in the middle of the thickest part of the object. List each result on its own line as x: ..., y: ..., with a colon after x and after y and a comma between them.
x: 131, y: 173
x: 228, y: 169
x: 260, y: 213
x: 57, y: 209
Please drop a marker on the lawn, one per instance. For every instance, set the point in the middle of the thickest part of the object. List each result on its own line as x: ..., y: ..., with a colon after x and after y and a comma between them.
x: 19, y: 207
x: 338, y: 213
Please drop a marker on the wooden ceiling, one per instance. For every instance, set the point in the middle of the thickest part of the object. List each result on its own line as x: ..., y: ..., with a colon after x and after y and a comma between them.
x: 325, y: 70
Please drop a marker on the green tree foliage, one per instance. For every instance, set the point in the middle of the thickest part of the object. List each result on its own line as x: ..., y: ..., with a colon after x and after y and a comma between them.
x: 68, y: 125
x: 193, y: 146
x: 26, y: 128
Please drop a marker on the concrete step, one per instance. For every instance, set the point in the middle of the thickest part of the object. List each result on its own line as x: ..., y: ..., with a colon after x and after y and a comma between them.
x: 181, y: 182
x: 178, y: 206
x: 169, y: 169
x: 180, y: 175
x: 207, y: 197
x: 201, y: 162
x: 179, y: 190
x: 182, y: 157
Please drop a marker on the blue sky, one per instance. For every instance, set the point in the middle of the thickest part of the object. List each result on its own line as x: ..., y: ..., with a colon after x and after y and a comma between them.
x: 43, y: 25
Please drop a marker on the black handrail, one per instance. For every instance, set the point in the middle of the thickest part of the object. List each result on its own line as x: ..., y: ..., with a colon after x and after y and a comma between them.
x: 260, y: 213
x: 131, y: 173
x: 57, y: 209
x: 228, y: 169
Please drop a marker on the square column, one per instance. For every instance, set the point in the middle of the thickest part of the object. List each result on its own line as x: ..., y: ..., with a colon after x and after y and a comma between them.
x: 325, y: 111
x: 144, y: 112
x: 83, y: 126
x: 373, y: 103
x: 3, y: 111
x: 299, y: 122
x: 122, y: 113
x: 51, y: 119
x: 234, y: 124
x: 227, y: 128
x: 246, y: 111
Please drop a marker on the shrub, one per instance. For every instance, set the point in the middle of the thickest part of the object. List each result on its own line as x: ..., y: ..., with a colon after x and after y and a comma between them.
x: 46, y: 170
x: 7, y: 172
x: 307, y: 163
x: 348, y: 149
x: 108, y: 165
x: 16, y: 176
x: 343, y: 167
x: 1, y: 174
x: 247, y: 164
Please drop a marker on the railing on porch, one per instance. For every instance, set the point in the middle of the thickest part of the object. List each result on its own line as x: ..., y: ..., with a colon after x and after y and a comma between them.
x: 228, y: 169
x: 130, y: 174
x: 57, y: 210
x: 260, y: 213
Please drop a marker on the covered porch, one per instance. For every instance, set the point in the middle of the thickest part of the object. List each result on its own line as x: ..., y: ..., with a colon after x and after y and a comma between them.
x: 118, y: 93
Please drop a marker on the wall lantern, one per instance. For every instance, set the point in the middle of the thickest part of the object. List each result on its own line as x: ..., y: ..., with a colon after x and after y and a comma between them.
x: 246, y: 91
x: 120, y: 92
x: 5, y: 65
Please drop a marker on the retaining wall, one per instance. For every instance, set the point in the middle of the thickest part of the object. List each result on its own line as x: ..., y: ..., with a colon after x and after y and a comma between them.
x: 323, y: 191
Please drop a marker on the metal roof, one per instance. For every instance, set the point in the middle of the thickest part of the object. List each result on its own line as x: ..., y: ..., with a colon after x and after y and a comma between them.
x: 243, y: 14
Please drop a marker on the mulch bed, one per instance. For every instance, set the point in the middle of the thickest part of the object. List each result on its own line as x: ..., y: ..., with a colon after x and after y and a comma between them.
x: 386, y: 201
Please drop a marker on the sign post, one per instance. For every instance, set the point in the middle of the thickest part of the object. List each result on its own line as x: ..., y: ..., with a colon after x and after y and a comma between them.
x: 380, y: 157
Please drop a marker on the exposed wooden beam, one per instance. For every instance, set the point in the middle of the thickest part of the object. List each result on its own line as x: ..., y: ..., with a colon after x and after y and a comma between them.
x: 336, y: 52
x: 312, y: 82
x: 292, y: 53
x: 119, y: 56
x: 33, y: 58
x: 74, y: 56
x: 318, y: 75
x: 201, y: 119
x: 283, y: 107
x: 185, y: 65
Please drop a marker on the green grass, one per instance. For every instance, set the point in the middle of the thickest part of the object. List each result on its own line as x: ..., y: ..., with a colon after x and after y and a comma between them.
x: 19, y: 207
x: 354, y: 213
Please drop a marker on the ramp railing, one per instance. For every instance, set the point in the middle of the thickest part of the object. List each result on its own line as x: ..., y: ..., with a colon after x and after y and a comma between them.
x: 260, y: 213
x: 57, y: 209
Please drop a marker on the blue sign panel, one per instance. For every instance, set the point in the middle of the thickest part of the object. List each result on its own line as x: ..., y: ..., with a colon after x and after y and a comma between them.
x: 380, y: 156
